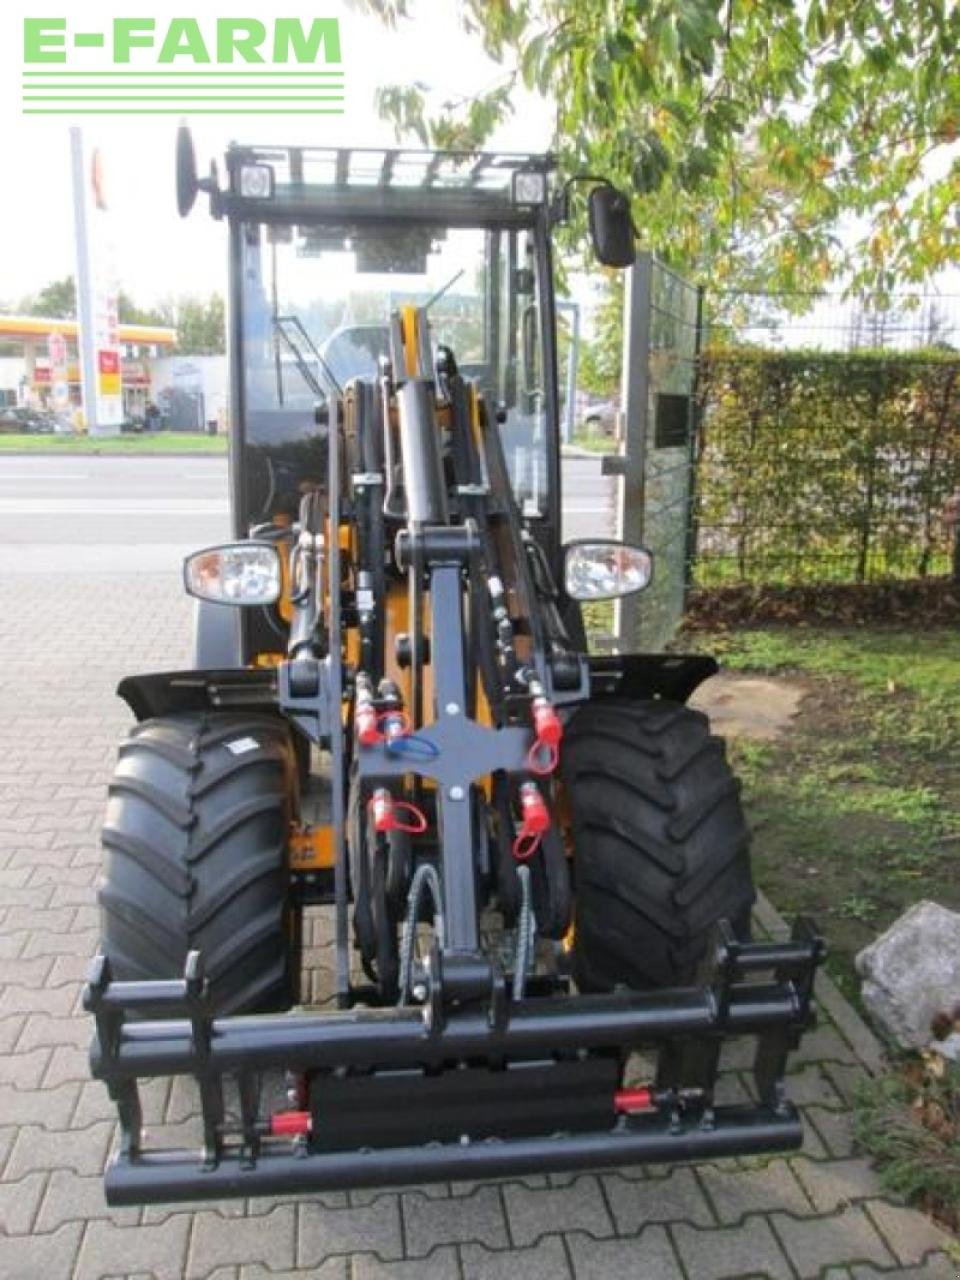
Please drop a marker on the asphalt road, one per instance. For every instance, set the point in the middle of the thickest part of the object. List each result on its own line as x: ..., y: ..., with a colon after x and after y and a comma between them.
x: 143, y: 514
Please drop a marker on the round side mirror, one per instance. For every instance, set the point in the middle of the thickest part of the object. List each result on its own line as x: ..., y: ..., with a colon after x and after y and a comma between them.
x: 188, y: 184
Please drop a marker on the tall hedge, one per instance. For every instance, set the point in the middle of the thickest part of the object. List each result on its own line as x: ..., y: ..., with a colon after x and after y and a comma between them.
x: 816, y: 466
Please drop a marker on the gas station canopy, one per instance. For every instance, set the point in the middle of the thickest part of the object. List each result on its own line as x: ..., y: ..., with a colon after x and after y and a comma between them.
x: 26, y: 327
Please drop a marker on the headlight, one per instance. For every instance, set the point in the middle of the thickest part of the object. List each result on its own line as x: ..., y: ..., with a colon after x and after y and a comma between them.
x: 256, y: 181
x: 602, y: 570
x: 236, y: 573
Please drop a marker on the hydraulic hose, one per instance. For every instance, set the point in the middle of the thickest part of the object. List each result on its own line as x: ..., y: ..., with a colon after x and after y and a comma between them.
x: 526, y: 934
x: 424, y: 876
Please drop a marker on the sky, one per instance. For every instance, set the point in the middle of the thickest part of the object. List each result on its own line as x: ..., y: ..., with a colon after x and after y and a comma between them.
x: 158, y: 254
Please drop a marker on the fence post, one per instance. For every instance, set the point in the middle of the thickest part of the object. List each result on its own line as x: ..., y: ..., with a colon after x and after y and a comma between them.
x: 693, y: 491
x: 636, y: 408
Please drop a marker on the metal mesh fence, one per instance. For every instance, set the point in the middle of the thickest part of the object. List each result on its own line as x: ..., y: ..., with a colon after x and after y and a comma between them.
x: 830, y: 321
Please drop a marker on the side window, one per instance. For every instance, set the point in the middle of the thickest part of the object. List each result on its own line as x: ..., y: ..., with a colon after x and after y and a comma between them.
x: 520, y: 372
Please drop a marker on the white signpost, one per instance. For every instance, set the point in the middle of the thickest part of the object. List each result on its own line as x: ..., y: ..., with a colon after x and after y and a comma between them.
x: 97, y: 341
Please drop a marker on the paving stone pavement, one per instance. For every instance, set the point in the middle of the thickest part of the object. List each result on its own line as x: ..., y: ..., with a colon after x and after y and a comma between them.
x: 65, y: 642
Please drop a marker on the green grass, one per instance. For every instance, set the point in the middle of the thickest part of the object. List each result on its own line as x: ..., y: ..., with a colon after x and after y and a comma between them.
x: 856, y: 812
x: 595, y: 443
x: 152, y: 442
x: 909, y: 1120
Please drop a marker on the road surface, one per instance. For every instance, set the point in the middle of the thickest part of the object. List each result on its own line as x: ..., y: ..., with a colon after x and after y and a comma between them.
x: 143, y: 514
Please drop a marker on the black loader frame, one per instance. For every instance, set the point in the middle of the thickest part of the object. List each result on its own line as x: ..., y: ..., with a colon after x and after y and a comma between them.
x: 455, y: 1059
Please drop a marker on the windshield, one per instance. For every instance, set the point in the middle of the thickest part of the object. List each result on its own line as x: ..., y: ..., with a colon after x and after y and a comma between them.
x: 316, y: 308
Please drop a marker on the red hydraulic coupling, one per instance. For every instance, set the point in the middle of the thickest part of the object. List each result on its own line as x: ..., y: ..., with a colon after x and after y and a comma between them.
x: 382, y: 810
x: 368, y: 730
x: 290, y: 1124
x: 387, y: 814
x: 366, y: 718
x: 533, y: 808
x: 629, y: 1101
x: 547, y: 723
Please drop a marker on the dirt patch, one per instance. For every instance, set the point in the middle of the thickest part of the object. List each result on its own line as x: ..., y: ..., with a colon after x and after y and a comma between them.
x: 751, y: 707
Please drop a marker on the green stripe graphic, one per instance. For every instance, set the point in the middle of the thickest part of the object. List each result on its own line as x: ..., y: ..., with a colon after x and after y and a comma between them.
x: 252, y: 74
x: 182, y: 97
x: 179, y: 111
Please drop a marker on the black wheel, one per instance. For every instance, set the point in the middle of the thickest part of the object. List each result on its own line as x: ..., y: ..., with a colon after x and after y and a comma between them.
x: 662, y: 848
x: 195, y: 857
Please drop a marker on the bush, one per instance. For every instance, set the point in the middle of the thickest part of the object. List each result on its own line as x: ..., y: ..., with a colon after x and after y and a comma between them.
x: 816, y: 466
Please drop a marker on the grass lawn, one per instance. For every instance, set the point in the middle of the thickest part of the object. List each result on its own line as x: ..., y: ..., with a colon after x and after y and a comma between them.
x: 856, y: 812
x: 154, y: 442
x: 856, y: 816
x: 595, y: 443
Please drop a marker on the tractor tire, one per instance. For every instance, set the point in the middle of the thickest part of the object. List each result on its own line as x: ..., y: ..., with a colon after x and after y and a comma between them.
x: 661, y: 844
x: 195, y: 857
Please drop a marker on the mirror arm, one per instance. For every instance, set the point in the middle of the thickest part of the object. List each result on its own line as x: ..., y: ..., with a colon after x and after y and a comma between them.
x: 560, y: 207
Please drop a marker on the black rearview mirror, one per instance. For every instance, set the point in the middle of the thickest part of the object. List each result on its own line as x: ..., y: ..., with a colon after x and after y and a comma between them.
x: 611, y: 227
x: 188, y: 183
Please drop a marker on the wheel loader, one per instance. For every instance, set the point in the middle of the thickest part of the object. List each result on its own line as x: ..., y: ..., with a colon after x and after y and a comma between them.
x: 530, y: 860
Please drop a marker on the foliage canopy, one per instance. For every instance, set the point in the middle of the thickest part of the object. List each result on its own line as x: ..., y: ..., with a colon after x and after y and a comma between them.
x: 752, y: 132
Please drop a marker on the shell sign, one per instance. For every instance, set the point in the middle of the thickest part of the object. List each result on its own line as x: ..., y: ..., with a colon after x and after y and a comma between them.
x: 108, y: 373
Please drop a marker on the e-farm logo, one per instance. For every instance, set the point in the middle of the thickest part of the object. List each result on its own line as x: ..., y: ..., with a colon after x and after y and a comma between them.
x: 179, y: 66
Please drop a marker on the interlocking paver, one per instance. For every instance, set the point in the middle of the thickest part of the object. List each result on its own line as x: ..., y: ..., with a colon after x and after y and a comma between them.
x: 330, y: 1269
x: 83, y: 1150
x: 747, y: 1250
x: 535, y: 1213
x: 847, y: 1236
x: 49, y: 1257
x: 831, y: 1184
x: 736, y: 1192
x: 217, y: 1241
x: 111, y: 1250
x: 11, y: 1029
x: 909, y: 1236
x: 41, y: 1029
x: 675, y: 1198
x: 19, y: 1202
x: 374, y: 1228
x: 647, y: 1257
x: 25, y: 1070
x: 477, y: 1218
x: 546, y: 1260
x: 52, y: 1107
x: 940, y: 1268
x: 72, y: 1198
x: 835, y: 1129
x: 441, y: 1265
x: 67, y: 1062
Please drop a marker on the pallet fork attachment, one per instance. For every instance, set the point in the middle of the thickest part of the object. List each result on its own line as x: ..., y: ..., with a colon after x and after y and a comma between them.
x: 561, y: 1058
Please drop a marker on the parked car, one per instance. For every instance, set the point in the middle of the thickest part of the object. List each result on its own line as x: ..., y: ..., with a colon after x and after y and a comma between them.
x: 19, y: 418
x: 599, y: 418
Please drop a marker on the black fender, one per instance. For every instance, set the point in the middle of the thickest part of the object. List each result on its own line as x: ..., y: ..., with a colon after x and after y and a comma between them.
x: 217, y: 636
x: 673, y: 676
x: 161, y: 693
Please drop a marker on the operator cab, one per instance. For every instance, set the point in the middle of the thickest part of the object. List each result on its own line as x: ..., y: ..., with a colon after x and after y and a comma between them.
x: 327, y: 247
